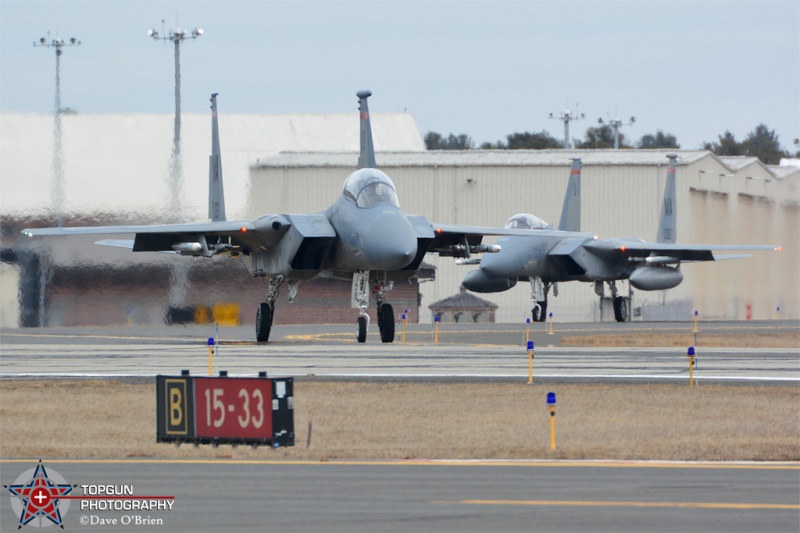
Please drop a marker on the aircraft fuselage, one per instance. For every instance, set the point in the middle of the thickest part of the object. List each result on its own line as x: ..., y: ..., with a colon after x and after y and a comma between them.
x: 376, y: 238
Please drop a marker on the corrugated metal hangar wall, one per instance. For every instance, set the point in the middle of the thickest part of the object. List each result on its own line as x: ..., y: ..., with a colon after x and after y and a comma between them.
x: 720, y: 201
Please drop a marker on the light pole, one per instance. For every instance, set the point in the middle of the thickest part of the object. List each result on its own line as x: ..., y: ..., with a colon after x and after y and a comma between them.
x: 58, y: 171
x: 176, y: 36
x: 567, y: 116
x: 615, y: 124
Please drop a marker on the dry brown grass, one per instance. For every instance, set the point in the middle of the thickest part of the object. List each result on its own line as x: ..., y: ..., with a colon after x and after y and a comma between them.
x: 784, y: 339
x: 369, y: 420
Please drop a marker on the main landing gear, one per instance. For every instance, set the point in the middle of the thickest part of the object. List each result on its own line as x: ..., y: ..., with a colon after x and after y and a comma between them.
x: 266, y: 310
x: 361, y: 288
x: 385, y: 310
x: 539, y: 291
x: 621, y: 311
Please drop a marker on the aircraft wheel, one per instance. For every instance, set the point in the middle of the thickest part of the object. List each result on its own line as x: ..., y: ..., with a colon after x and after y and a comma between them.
x: 361, y: 334
x: 386, y: 322
x: 263, y: 321
x: 620, y: 309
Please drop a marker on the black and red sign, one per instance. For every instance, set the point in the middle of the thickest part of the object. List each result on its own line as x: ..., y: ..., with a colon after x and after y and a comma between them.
x: 223, y: 410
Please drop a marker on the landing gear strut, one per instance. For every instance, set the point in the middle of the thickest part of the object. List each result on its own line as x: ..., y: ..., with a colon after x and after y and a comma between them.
x: 266, y: 310
x: 620, y: 303
x: 385, y: 310
x: 539, y: 291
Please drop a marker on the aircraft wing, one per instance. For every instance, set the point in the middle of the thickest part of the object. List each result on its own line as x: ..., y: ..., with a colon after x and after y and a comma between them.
x: 667, y: 252
x: 216, y: 228
x: 203, y: 238
x: 458, y: 240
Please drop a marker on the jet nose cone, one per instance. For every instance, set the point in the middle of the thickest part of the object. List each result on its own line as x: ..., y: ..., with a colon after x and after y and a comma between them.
x: 390, y: 244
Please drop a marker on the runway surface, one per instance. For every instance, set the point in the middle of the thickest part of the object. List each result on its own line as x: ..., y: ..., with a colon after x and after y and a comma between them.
x: 463, y: 351
x: 227, y: 495
x: 220, y: 495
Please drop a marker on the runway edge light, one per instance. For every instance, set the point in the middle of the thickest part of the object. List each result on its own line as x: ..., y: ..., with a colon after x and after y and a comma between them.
x: 530, y: 362
x: 551, y: 403
x: 210, y: 355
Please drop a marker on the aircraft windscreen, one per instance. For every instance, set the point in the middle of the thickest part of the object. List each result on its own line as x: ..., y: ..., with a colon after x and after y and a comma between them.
x: 526, y: 221
x: 368, y: 187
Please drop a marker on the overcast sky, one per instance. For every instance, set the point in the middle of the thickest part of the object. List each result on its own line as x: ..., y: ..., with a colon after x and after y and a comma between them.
x: 484, y: 68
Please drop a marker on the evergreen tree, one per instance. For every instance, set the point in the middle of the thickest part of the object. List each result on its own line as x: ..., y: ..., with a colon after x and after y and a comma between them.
x: 763, y: 144
x: 726, y: 145
x: 602, y: 137
x: 435, y: 141
x: 658, y: 140
x: 532, y: 141
x: 525, y: 141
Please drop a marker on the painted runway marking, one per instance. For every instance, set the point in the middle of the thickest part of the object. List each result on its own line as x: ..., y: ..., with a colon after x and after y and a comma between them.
x: 578, y: 503
x: 733, y: 465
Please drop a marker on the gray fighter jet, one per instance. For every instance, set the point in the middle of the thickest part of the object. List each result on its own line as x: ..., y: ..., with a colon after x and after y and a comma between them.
x: 545, y: 260
x: 363, y: 236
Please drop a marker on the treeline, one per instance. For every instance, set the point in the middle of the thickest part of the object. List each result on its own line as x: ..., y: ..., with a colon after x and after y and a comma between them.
x: 761, y: 142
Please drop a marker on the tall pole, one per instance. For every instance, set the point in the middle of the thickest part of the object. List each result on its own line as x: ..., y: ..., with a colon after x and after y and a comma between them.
x: 176, y: 35
x: 57, y: 189
x: 568, y: 116
x: 176, y: 170
x: 615, y: 124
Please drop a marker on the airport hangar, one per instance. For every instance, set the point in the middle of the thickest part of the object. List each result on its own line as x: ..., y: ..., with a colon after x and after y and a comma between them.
x: 115, y: 171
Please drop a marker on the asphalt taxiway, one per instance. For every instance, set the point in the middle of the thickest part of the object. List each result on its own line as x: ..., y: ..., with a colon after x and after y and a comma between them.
x: 226, y: 495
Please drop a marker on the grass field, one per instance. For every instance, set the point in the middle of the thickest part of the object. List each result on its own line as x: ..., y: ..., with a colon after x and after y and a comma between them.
x: 407, y: 420
x: 783, y: 339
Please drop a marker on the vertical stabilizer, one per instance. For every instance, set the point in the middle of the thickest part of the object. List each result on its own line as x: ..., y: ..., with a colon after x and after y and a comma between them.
x: 571, y: 211
x: 667, y: 232
x: 216, y: 194
x: 366, y: 157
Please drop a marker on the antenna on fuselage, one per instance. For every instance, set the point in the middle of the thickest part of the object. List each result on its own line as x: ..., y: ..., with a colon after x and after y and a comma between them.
x: 667, y: 231
x: 366, y: 157
x: 216, y: 194
x: 571, y: 211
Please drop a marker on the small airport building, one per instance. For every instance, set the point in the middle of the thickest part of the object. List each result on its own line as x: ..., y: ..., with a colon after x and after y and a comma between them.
x: 115, y: 170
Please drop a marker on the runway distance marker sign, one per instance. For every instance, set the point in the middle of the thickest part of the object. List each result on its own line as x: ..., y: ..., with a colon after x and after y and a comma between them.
x: 224, y: 410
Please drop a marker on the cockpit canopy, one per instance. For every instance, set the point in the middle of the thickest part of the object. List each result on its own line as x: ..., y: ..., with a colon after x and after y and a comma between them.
x: 526, y: 221
x: 369, y: 186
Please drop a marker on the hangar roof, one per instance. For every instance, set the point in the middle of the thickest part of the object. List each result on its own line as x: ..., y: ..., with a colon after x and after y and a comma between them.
x: 498, y: 158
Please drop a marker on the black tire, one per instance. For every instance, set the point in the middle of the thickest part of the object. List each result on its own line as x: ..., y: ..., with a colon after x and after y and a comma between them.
x: 263, y: 322
x: 386, y: 321
x: 539, y: 312
x: 361, y: 334
x: 620, y: 309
